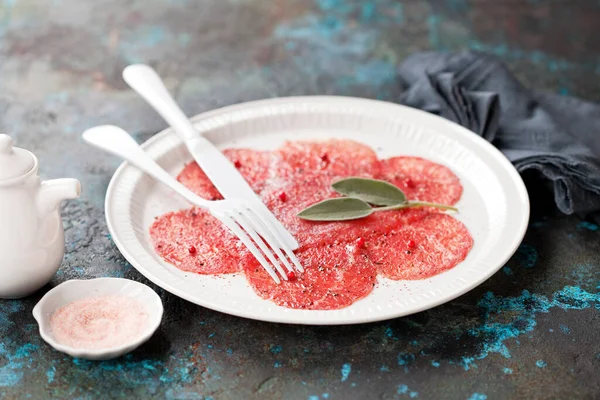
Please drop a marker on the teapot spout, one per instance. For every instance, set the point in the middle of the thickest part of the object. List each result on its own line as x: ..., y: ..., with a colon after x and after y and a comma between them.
x: 53, y: 192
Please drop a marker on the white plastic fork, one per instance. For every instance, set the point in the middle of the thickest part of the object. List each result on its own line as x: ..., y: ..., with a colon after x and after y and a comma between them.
x: 240, y: 216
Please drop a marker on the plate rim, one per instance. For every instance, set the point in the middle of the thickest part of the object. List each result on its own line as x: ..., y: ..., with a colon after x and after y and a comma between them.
x: 509, y: 251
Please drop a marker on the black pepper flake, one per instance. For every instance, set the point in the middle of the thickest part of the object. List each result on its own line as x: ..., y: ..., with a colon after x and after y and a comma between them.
x: 408, y: 252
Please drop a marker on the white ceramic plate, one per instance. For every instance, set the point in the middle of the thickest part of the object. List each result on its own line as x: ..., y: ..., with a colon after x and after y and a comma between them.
x: 494, y: 205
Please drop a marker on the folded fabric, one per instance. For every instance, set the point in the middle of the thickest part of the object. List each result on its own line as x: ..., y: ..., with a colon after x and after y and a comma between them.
x: 556, y: 136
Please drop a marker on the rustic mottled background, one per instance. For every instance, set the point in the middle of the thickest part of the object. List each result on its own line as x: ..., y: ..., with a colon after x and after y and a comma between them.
x: 531, y: 331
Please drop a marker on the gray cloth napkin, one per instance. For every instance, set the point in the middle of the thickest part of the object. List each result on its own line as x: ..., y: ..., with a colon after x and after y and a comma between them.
x: 557, y: 137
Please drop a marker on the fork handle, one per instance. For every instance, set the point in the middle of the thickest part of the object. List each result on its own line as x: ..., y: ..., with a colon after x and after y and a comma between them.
x: 118, y: 142
x: 146, y: 82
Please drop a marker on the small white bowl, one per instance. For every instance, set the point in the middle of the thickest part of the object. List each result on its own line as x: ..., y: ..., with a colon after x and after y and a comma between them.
x: 74, y: 290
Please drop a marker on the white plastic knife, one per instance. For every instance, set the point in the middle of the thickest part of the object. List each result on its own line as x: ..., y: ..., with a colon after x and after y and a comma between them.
x: 223, y: 174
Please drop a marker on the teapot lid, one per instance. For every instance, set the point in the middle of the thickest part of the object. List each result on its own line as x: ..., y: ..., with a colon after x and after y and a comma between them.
x: 14, y: 161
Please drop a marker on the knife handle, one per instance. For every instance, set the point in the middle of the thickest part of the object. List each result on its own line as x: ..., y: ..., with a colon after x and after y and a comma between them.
x: 146, y: 82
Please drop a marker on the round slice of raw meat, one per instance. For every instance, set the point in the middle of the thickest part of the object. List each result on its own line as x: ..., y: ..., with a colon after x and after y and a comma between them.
x: 254, y: 166
x: 335, y: 157
x: 195, y: 241
x: 196, y: 180
x: 421, y: 179
x: 334, y: 277
x: 288, y: 200
x: 422, y: 249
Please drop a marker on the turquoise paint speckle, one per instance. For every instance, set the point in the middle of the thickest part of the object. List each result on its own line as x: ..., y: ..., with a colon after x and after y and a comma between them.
x: 229, y: 351
x: 541, y: 363
x: 588, y: 225
x: 564, y: 329
x: 277, y: 364
x: 367, y: 11
x: 325, y: 395
x: 313, y: 397
x: 405, y: 358
x: 346, y: 368
x: 508, y: 271
x: 478, y: 396
x: 141, y: 372
x: 435, y: 364
x: 50, y: 374
x: 11, y: 372
x: 507, y: 371
x: 404, y: 390
x: 384, y: 368
x: 211, y: 335
x: 497, y: 329
x: 276, y: 349
x: 563, y: 91
x: 468, y: 363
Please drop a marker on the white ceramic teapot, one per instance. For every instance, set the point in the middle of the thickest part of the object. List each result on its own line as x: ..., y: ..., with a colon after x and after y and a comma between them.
x: 32, y: 243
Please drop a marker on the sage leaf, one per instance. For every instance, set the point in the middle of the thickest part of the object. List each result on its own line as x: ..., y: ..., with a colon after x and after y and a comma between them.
x: 373, y: 191
x: 340, y: 209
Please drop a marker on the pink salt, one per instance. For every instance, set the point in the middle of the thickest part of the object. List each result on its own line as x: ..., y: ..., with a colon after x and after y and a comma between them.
x: 97, y: 323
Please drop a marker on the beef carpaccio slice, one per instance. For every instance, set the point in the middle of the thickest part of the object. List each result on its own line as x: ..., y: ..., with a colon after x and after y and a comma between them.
x: 196, y: 180
x: 217, y: 251
x: 254, y: 165
x: 421, y: 179
x: 334, y: 277
x: 439, y: 242
x: 333, y: 158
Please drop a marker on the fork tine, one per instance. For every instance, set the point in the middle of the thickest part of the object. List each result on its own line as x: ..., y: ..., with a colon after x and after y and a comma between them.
x: 239, y: 232
x: 270, y: 227
x: 244, y: 222
x: 272, y: 238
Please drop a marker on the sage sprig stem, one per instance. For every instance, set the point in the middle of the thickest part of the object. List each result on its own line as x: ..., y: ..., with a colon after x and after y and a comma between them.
x: 362, y: 198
